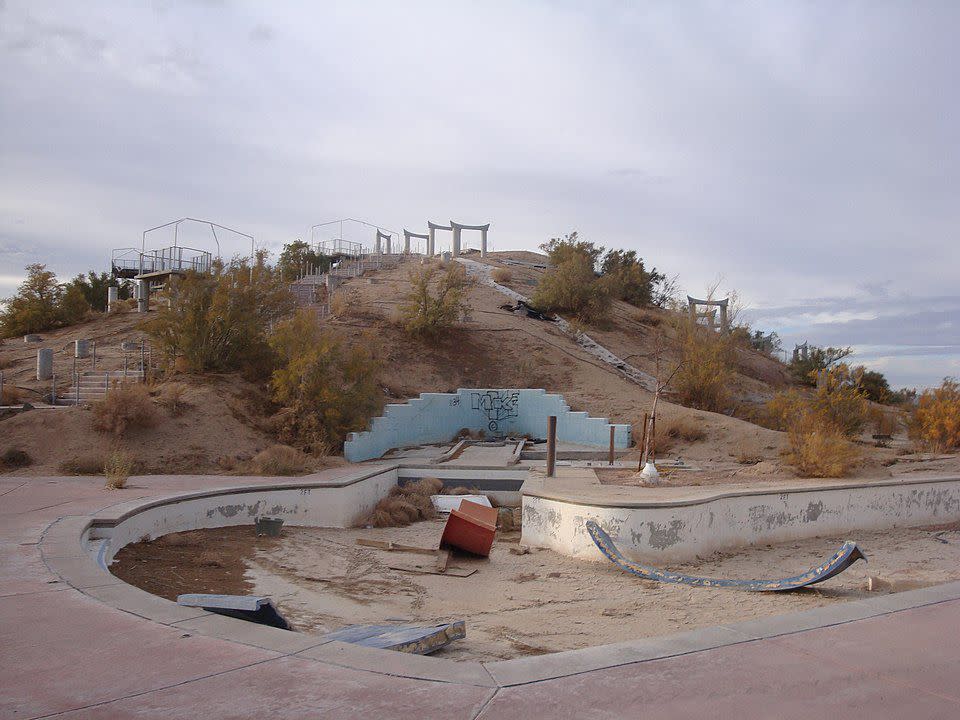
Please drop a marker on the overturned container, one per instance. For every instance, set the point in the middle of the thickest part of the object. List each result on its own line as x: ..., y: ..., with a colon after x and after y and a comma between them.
x: 471, y: 527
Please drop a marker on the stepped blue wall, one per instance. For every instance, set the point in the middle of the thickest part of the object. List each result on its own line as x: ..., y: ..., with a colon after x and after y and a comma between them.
x: 438, y: 417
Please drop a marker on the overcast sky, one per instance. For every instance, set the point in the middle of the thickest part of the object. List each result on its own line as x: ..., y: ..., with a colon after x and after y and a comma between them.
x: 807, y: 153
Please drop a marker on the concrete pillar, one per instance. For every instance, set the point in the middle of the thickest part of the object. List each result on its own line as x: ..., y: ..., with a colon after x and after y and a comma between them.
x: 430, y: 240
x: 406, y: 244
x: 389, y: 245
x: 81, y: 349
x: 143, y: 296
x: 44, y: 363
x: 456, y: 241
x: 376, y: 245
x: 724, y: 325
x: 483, y: 243
x: 113, y: 294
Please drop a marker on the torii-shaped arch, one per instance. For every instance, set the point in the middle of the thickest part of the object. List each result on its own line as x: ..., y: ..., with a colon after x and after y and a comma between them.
x: 381, y: 236
x: 458, y: 227
x: 406, y: 239
x: 431, y: 240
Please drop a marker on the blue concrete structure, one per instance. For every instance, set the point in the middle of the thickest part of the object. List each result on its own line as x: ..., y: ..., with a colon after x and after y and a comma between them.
x: 438, y: 417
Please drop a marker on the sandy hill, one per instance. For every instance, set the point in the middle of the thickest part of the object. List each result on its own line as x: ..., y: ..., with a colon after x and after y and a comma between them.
x: 228, y: 419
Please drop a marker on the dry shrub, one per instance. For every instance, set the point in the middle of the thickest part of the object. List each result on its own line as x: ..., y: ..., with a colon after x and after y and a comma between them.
x: 704, y: 377
x: 406, y: 504
x: 935, y: 423
x: 14, y: 458
x: 82, y: 465
x: 339, y: 304
x: 277, y: 460
x: 209, y: 558
x: 12, y: 395
x: 820, y: 450
x: 501, y: 275
x: 838, y: 401
x: 687, y: 430
x: 117, y: 466
x: 170, y: 397
x: 125, y: 407
x: 747, y: 455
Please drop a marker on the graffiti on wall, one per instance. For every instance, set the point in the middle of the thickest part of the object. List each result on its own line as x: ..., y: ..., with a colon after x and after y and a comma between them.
x: 496, y: 406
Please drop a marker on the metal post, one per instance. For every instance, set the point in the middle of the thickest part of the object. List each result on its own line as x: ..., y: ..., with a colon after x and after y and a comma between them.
x: 142, y: 369
x: 1, y: 387
x: 611, y: 445
x: 643, y: 444
x: 76, y: 385
x: 94, y: 355
x: 551, y: 445
x: 53, y: 389
x: 124, y: 364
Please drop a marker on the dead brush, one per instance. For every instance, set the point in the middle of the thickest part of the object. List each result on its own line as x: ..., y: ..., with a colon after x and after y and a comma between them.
x: 501, y: 275
x: 277, y: 460
x: 747, y: 455
x: 406, y: 504
x: 820, y: 450
x: 117, y: 466
x: 13, y: 458
x: 170, y: 396
x: 12, y: 395
x: 687, y: 430
x: 125, y: 407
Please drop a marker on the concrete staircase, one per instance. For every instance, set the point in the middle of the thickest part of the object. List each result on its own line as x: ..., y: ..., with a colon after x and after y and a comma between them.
x: 95, y: 384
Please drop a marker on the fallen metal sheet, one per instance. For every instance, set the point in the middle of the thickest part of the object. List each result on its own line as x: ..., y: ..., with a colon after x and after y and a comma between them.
x: 416, y: 639
x: 245, y: 607
x: 848, y: 554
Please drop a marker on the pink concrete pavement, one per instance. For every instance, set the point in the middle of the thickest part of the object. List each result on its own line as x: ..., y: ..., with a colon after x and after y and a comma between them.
x: 65, y: 654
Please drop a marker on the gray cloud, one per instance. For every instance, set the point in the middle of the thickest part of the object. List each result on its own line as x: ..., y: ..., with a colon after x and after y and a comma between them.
x: 801, y: 151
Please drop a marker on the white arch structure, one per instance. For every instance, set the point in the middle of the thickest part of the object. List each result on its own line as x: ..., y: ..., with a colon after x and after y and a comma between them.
x: 406, y: 239
x: 432, y: 227
x: 459, y: 227
x: 377, y: 248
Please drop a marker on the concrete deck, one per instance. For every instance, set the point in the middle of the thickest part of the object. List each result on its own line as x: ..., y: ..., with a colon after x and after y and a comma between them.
x: 67, y: 651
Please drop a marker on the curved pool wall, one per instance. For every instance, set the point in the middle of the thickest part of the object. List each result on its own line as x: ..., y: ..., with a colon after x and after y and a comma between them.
x: 681, y: 530
x: 438, y: 417
x: 333, y: 503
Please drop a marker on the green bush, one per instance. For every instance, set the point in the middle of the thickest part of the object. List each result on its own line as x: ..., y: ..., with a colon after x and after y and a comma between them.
x: 41, y: 303
x: 220, y: 321
x: 703, y: 378
x: 436, y: 301
x: 328, y: 389
x: 805, y: 371
x: 571, y: 286
x: 627, y: 279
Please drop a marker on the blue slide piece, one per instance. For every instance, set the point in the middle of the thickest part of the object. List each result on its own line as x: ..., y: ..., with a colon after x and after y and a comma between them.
x: 848, y: 554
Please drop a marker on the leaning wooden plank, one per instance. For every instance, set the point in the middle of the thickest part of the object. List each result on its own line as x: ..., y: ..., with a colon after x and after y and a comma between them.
x: 417, y: 639
x: 425, y: 569
x: 392, y: 546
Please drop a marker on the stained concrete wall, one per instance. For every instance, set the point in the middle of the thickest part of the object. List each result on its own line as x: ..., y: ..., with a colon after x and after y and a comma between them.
x: 680, y: 532
x: 437, y: 417
x: 307, y: 505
